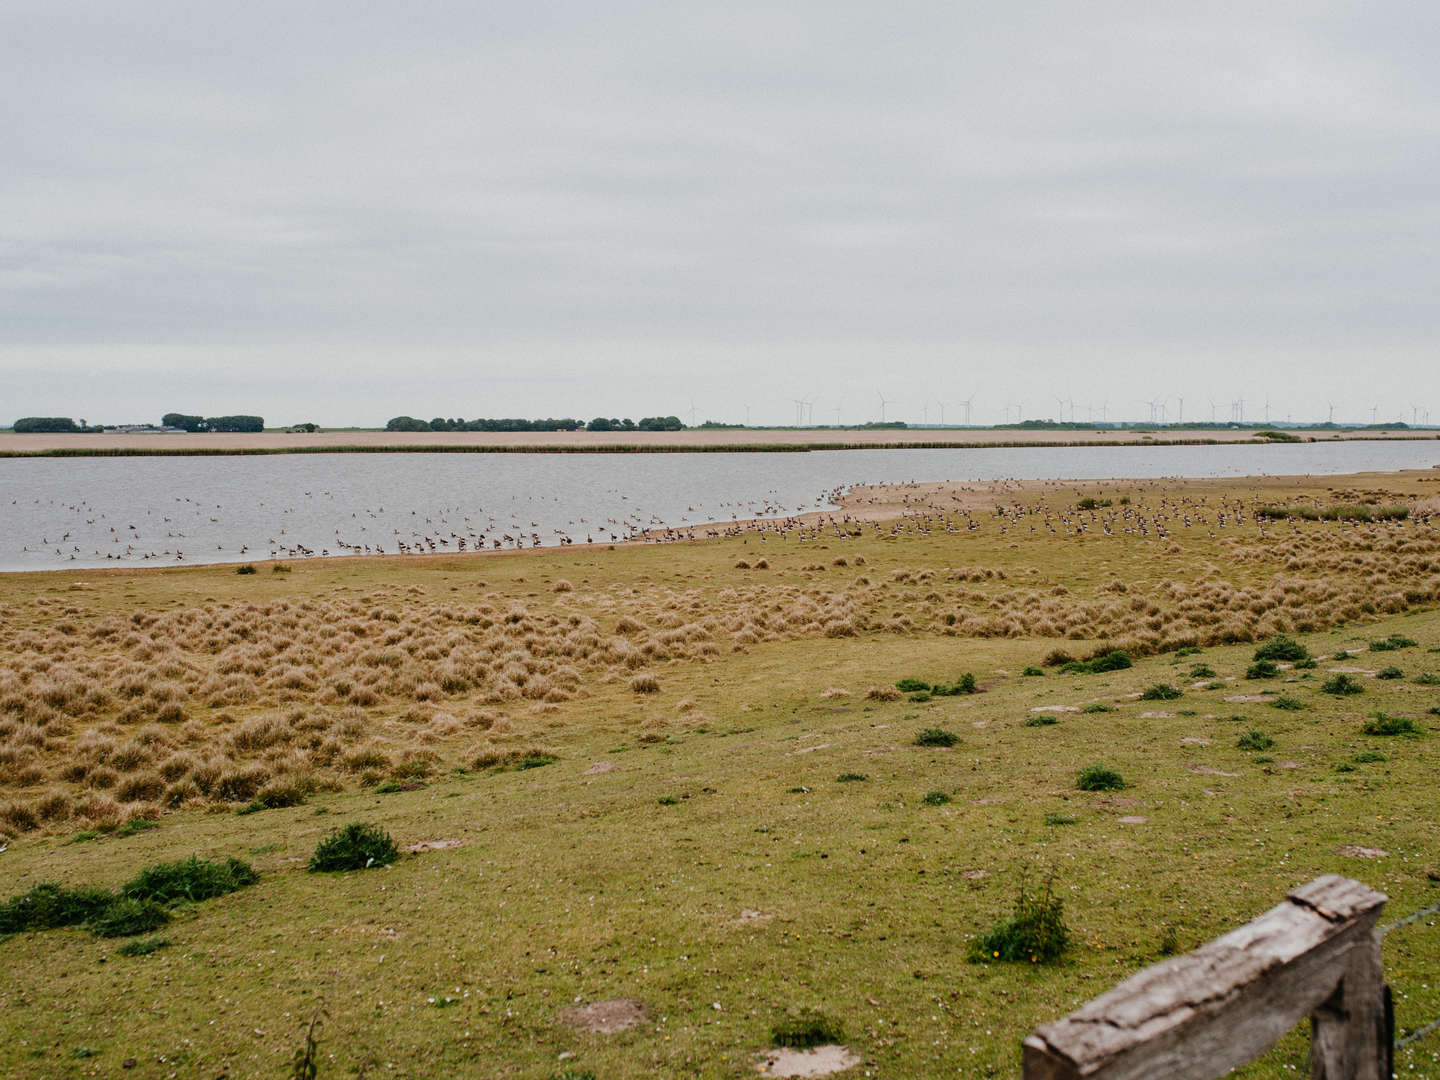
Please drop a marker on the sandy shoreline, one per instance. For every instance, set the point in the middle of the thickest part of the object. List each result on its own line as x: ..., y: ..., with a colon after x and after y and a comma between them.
x: 601, y: 441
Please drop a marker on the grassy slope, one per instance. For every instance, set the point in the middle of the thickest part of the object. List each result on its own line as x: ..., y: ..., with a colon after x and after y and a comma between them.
x: 569, y: 885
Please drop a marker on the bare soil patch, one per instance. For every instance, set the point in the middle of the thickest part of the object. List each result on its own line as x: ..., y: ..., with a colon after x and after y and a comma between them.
x: 607, y: 1017
x: 817, y: 1061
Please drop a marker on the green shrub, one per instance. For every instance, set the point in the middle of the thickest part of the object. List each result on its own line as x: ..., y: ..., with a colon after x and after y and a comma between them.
x: 1098, y: 707
x: 965, y: 684
x: 127, y: 916
x: 1115, y: 660
x: 1091, y: 503
x: 668, y: 800
x: 246, y: 569
x: 1255, y: 739
x: 920, y: 696
x: 1383, y: 724
x: 1037, y: 933
x: 47, y: 906
x: 1308, y: 664
x: 1392, y: 643
x: 935, y: 798
x: 1043, y: 719
x: 936, y: 737
x: 807, y: 1028
x: 354, y: 847
x: 851, y: 778
x: 1391, y: 672
x: 1262, y: 669
x: 1427, y: 679
x: 1060, y: 819
x: 190, y: 879
x: 1032, y: 671
x: 1289, y: 704
x: 1099, y: 778
x: 1202, y: 671
x: 536, y: 761
x: 1369, y: 757
x: 1282, y: 647
x: 1160, y: 692
x: 910, y: 685
x: 1341, y: 685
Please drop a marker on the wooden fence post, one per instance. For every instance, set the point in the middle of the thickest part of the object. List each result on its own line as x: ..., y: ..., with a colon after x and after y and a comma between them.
x: 1195, y: 1017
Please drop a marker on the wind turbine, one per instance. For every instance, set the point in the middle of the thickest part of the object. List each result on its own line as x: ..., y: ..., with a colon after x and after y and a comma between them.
x: 883, y: 402
x: 1267, y: 408
x: 1331, y: 419
x: 799, y: 404
x: 1374, y: 414
x: 1182, y: 409
x: 1212, y: 410
x: 967, y: 403
x: 692, y: 412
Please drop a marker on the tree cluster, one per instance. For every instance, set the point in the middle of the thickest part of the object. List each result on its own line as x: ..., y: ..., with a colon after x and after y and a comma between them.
x: 645, y: 423
x: 32, y: 425
x: 213, y: 423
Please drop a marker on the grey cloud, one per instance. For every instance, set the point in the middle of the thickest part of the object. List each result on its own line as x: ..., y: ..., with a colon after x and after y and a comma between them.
x: 567, y: 190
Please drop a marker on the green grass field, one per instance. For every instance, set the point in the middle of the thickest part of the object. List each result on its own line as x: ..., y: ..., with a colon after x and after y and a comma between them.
x: 692, y: 846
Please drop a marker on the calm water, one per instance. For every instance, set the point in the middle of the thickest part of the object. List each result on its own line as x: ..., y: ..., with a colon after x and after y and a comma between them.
x: 84, y: 512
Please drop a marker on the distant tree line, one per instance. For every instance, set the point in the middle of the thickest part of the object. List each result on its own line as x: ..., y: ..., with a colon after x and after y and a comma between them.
x: 600, y: 423
x: 213, y: 423
x: 33, y: 425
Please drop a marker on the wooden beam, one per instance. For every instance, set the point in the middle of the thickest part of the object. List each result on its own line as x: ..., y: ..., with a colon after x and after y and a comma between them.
x: 1197, y: 1016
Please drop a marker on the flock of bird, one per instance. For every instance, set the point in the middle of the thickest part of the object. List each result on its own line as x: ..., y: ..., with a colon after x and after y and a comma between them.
x: 82, y: 532
x: 458, y: 529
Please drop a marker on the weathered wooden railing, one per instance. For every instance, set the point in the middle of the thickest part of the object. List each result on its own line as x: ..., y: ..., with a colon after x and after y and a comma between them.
x: 1197, y: 1016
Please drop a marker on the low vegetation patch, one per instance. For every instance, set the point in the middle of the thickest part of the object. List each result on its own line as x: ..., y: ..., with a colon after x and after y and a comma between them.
x: 1384, y: 724
x: 1393, y: 643
x: 193, y: 879
x: 1160, y: 692
x: 1262, y: 669
x: 1289, y: 704
x: 1255, y: 739
x: 1043, y: 719
x: 1282, y: 647
x: 936, y: 737
x: 1099, y: 777
x: 1342, y: 685
x: 141, y: 905
x: 1035, y: 934
x: 1391, y: 672
x: 1115, y: 660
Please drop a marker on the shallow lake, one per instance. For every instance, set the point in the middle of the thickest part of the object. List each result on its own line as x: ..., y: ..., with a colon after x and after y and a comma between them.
x: 87, y: 512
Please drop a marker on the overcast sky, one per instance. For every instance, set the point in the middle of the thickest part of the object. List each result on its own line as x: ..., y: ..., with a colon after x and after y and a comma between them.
x: 341, y: 211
